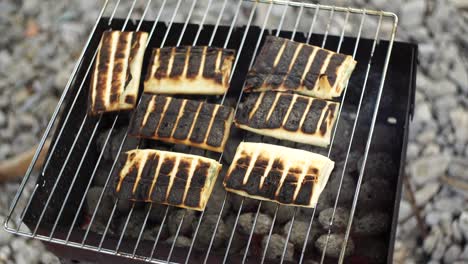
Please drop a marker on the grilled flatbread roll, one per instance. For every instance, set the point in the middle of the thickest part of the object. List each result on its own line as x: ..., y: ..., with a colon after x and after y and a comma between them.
x: 189, y: 70
x: 278, y: 174
x: 285, y: 65
x: 182, y: 121
x: 164, y: 177
x: 117, y: 70
x: 288, y: 116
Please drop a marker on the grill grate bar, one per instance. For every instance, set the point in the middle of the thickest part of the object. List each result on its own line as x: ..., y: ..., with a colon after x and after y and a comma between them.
x: 336, y: 126
x: 374, y: 44
x: 369, y: 137
x: 298, y: 19
x: 115, y: 161
x: 252, y: 12
x: 286, y: 4
x: 237, y: 105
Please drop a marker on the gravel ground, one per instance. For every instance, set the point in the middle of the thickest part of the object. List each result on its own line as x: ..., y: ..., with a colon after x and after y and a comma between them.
x: 42, y: 39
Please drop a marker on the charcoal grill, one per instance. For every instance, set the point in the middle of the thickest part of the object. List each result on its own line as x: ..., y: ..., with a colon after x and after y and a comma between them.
x: 378, y: 98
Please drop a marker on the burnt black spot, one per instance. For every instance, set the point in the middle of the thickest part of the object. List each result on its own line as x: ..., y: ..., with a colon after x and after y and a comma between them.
x: 210, y: 63
x: 288, y: 188
x: 167, y: 166
x: 193, y: 197
x: 282, y: 68
x: 313, y: 116
x: 335, y: 62
x: 324, y: 126
x: 235, y: 178
x: 270, y: 184
x: 216, y: 134
x: 305, y: 193
x: 183, y: 126
x: 279, y: 112
x: 176, y: 194
x: 314, y: 71
x: 170, y: 117
x: 200, y: 174
x: 253, y: 181
x: 277, y: 165
x: 202, y: 122
x: 244, y: 160
x: 178, y: 63
x: 151, y: 124
x: 242, y: 114
x: 194, y: 62
x: 164, y: 56
x: 258, y: 120
x: 294, y: 78
x: 296, y: 114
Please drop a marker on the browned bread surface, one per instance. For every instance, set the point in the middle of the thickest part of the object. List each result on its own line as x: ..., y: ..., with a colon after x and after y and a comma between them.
x: 164, y: 177
x: 278, y: 174
x: 182, y: 121
x: 285, y: 65
x: 117, y: 71
x: 189, y: 70
x: 288, y: 116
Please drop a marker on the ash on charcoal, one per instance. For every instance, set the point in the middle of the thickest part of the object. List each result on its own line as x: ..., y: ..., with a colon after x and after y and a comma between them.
x: 135, y: 224
x: 340, y: 219
x: 157, y: 212
x: 380, y: 164
x: 285, y: 213
x: 299, y: 232
x: 176, y: 217
x: 205, y: 232
x: 375, y: 193
x: 152, y: 230
x: 105, y: 207
x: 182, y: 241
x: 262, y: 226
x: 102, y: 173
x: 372, y: 223
x: 335, y: 242
x: 113, y: 144
x: 276, y: 247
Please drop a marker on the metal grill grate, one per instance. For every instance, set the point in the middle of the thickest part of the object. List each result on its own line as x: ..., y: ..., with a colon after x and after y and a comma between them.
x: 354, y: 23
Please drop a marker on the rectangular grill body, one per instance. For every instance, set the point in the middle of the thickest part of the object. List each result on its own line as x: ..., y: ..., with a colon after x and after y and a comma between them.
x: 55, y: 210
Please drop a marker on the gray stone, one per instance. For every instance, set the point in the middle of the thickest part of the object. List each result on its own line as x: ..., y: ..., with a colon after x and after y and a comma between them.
x: 423, y: 113
x: 49, y: 258
x: 340, y: 219
x: 439, y: 250
x: 464, y: 254
x: 459, y: 118
x: 405, y: 210
x: 276, y: 246
x: 5, y: 254
x: 262, y: 226
x: 334, y: 245
x: 412, y: 13
x: 463, y: 224
x: 5, y: 236
x: 175, y: 219
x: 426, y: 193
x: 429, y: 168
x: 431, y: 240
x: 452, y: 253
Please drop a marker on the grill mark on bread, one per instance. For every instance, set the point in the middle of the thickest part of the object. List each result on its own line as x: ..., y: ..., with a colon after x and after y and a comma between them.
x: 336, y: 61
x: 284, y: 60
x: 163, y: 64
x: 182, y: 121
x: 312, y: 119
x: 278, y: 174
x: 194, y: 62
x: 315, y: 69
x: 291, y: 117
x: 294, y: 77
x: 178, y: 62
